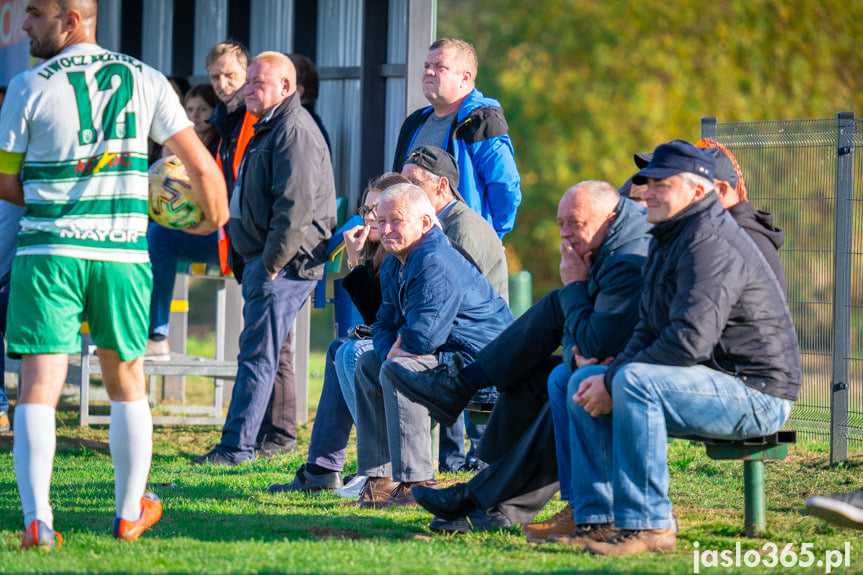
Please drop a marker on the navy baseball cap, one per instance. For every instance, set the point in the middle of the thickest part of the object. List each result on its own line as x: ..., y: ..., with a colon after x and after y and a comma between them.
x: 643, y: 158
x: 724, y: 167
x: 673, y: 158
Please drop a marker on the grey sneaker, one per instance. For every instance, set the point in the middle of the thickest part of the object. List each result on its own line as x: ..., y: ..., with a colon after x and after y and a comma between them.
x: 351, y: 489
x: 4, y: 422
x: 843, y: 509
x: 306, y: 481
x: 157, y: 350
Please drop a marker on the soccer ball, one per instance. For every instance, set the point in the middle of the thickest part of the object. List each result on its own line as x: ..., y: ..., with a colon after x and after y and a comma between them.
x: 171, y: 202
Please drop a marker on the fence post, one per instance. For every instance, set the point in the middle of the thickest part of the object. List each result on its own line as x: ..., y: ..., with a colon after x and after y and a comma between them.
x: 842, y: 245
x: 708, y: 127
x: 520, y: 292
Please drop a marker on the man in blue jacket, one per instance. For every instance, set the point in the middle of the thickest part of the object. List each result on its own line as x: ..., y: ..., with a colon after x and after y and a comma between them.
x: 604, y: 242
x: 437, y: 309
x: 469, y: 126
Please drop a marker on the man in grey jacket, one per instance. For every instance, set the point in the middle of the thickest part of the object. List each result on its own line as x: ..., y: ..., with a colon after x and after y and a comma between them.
x: 282, y: 215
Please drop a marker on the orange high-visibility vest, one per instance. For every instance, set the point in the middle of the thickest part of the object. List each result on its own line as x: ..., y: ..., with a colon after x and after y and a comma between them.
x: 247, y: 130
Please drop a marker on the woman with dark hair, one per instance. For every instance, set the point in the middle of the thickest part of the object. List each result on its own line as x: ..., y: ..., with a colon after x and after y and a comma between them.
x: 336, y: 408
x: 200, y: 101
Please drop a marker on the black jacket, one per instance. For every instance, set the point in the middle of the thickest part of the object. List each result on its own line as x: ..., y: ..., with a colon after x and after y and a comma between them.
x: 711, y: 299
x: 364, y: 287
x: 228, y: 126
x: 284, y: 207
x: 602, y: 311
x: 768, y: 238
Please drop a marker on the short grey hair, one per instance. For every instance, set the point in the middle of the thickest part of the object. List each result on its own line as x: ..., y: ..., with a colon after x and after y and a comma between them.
x: 692, y: 180
x: 603, y: 196
x: 414, y: 196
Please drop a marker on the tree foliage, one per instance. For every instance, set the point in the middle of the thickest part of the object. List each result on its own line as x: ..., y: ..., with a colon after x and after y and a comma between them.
x: 586, y: 83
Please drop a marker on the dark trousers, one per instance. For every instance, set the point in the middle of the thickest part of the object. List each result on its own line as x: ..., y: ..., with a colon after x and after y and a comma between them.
x: 451, y: 453
x: 280, y: 420
x: 269, y: 309
x: 518, y: 362
x: 333, y: 422
x: 519, y: 437
x: 521, y: 483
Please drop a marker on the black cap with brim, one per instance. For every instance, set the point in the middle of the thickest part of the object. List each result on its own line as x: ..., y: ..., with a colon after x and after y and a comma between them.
x: 673, y: 158
x: 436, y: 161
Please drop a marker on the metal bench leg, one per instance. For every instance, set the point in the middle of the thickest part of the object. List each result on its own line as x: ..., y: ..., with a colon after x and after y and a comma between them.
x: 753, y: 492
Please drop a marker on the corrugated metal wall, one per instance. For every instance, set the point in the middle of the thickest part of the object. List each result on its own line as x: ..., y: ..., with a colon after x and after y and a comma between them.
x: 339, y: 44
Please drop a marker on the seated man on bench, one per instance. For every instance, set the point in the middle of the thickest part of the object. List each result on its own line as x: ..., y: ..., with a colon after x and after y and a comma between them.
x: 714, y: 354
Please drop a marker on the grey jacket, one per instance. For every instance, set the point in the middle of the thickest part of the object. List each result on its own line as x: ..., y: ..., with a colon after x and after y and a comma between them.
x: 474, y: 235
x: 284, y: 205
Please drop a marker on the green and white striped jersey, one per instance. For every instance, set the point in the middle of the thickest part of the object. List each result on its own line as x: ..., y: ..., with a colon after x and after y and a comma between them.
x: 82, y: 120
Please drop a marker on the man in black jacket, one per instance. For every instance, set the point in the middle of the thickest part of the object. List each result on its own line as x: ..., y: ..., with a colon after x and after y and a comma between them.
x: 282, y: 215
x: 714, y: 354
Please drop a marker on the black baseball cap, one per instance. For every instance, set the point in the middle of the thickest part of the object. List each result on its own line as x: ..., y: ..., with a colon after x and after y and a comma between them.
x: 673, y: 158
x: 436, y: 161
x: 724, y: 167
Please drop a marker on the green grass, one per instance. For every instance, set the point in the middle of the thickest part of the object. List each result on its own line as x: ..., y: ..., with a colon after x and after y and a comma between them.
x: 220, y: 520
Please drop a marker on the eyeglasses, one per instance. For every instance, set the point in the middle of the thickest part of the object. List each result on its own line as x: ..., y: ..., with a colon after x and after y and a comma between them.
x: 365, y: 210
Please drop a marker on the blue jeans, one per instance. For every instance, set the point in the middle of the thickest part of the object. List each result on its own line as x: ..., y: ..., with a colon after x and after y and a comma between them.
x: 332, y: 428
x: 622, y: 460
x: 346, y: 364
x: 557, y: 384
x: 269, y: 309
x: 167, y: 248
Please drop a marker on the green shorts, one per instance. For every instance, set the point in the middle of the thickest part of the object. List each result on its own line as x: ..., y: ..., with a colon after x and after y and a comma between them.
x: 50, y: 295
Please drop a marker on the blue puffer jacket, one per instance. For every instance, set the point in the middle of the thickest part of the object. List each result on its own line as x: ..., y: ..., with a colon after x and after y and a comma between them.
x: 479, y: 141
x: 437, y: 301
x: 602, y: 311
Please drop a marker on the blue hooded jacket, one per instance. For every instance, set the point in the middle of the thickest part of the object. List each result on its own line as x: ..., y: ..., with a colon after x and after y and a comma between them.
x: 479, y: 140
x: 437, y: 301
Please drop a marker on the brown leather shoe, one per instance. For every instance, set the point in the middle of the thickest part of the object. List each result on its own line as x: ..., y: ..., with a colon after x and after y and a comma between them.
x: 584, y: 534
x: 402, y: 496
x: 633, y: 542
x: 375, y: 491
x: 560, y: 524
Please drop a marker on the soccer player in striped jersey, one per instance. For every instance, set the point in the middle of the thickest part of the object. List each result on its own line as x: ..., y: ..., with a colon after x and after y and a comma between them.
x: 73, y: 149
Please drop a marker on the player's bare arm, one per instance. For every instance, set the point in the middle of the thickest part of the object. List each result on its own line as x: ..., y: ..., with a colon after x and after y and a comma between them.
x: 208, y: 184
x: 10, y: 178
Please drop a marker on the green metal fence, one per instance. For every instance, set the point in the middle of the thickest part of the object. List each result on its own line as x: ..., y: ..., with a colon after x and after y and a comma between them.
x: 809, y: 174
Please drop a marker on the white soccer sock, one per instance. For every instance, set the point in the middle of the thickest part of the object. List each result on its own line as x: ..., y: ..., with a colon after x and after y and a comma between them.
x: 33, y: 454
x: 131, y: 440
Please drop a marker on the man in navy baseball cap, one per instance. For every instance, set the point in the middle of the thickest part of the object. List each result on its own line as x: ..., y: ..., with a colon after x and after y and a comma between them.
x: 697, y: 363
x: 668, y: 195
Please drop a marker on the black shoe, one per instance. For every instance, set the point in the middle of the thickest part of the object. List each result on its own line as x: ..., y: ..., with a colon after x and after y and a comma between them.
x: 451, y: 503
x: 441, y: 525
x: 307, y: 481
x: 215, y: 457
x: 440, y: 389
x: 271, y: 449
x: 476, y: 520
x: 488, y: 520
x: 844, y: 509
